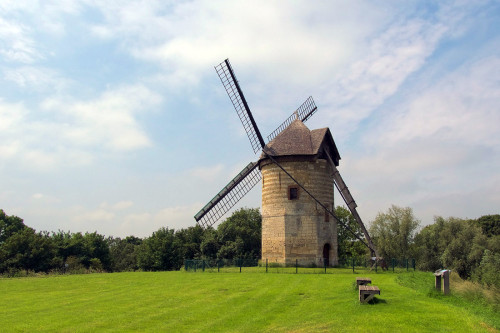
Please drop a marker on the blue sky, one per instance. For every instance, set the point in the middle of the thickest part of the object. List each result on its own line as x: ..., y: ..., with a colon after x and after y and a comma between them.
x: 112, y: 118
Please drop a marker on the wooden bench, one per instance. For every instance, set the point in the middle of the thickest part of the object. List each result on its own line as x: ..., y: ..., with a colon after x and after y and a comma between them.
x: 362, y: 281
x: 366, y: 293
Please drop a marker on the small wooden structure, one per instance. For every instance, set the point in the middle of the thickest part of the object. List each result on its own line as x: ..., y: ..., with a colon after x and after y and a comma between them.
x: 366, y: 293
x: 443, y: 274
x: 362, y: 281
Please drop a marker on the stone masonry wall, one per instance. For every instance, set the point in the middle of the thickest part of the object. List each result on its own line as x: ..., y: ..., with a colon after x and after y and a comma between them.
x: 297, y: 229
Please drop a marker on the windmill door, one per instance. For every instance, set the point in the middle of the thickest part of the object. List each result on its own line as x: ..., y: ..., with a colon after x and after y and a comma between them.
x: 326, y: 254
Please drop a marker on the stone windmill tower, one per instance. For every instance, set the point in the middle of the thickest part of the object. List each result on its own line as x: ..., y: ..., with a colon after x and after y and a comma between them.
x: 299, y: 172
x: 294, y: 226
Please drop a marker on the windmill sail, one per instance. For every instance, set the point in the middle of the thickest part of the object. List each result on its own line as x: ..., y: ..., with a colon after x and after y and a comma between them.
x: 349, y: 200
x: 228, y: 79
x: 304, y: 112
x: 346, y: 195
x: 229, y: 195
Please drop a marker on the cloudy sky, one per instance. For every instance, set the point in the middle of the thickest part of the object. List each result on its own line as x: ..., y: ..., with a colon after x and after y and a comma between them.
x: 113, y: 119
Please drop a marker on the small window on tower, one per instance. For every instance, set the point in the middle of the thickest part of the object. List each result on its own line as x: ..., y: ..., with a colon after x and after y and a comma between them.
x: 327, y: 216
x: 293, y: 193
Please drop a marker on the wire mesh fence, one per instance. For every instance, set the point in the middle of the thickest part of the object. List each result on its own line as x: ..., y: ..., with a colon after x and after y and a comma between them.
x: 295, y: 267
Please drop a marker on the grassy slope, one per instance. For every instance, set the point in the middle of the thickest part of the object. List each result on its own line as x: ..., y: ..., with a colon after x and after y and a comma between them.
x: 180, y: 301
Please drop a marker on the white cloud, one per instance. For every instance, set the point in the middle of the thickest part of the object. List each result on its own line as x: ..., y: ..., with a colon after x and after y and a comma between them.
x: 207, y: 174
x: 65, y: 131
x: 143, y: 224
x: 11, y: 115
x: 438, y: 150
x: 46, y: 16
x: 45, y: 198
x: 108, y: 120
x: 197, y: 35
x: 391, y: 57
x: 461, y: 107
x: 122, y: 205
x: 99, y: 215
x: 118, y: 206
x: 39, y: 78
x: 15, y: 43
x: 175, y: 217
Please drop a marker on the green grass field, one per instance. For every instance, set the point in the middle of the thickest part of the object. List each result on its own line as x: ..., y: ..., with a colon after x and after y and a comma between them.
x: 206, y: 302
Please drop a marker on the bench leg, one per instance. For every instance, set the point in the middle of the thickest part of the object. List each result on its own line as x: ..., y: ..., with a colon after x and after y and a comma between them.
x: 365, y: 298
x: 368, y: 298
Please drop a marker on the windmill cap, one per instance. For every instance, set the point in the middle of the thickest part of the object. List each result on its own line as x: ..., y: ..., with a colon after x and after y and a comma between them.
x: 297, y: 139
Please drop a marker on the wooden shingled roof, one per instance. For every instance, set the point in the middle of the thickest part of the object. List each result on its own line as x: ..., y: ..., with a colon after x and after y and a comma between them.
x: 298, y: 140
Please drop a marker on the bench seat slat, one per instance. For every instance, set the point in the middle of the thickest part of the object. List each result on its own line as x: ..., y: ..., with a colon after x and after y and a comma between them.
x: 362, y: 281
x: 366, y: 293
x: 369, y: 288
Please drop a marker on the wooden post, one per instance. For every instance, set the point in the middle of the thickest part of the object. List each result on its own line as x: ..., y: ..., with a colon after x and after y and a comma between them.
x: 446, y: 282
x: 438, y: 282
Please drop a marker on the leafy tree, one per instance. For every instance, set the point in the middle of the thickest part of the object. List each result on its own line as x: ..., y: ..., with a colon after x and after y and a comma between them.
x: 160, y: 252
x: 209, y: 246
x: 487, y: 272
x: 76, y: 246
x: 83, y: 248
x: 494, y: 244
x: 464, y: 246
x: 349, y: 246
x: 123, y: 253
x: 427, y: 249
x: 190, y: 239
x: 27, y: 250
x: 95, y: 246
x: 393, y: 232
x: 233, y: 249
x: 240, y: 235
x: 9, y: 225
x: 65, y: 247
x: 457, y: 244
x: 74, y: 265
x: 490, y: 224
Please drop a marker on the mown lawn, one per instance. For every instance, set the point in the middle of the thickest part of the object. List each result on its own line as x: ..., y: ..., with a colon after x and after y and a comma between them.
x: 207, y: 302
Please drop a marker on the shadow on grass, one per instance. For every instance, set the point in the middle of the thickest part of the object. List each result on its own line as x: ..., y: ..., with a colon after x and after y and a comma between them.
x: 377, y: 300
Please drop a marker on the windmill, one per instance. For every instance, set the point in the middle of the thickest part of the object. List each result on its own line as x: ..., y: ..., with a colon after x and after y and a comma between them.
x: 298, y: 168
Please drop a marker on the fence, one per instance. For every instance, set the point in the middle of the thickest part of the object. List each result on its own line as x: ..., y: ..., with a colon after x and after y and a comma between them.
x: 264, y: 266
x: 392, y: 264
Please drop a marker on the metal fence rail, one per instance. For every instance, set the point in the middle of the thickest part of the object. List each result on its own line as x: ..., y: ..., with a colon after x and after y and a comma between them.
x: 265, y: 266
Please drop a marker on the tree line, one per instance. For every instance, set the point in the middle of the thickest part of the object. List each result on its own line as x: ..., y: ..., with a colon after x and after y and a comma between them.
x: 471, y: 247
x: 22, y: 249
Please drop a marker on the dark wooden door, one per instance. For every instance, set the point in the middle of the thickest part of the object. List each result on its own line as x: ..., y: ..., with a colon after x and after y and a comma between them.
x: 326, y: 254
